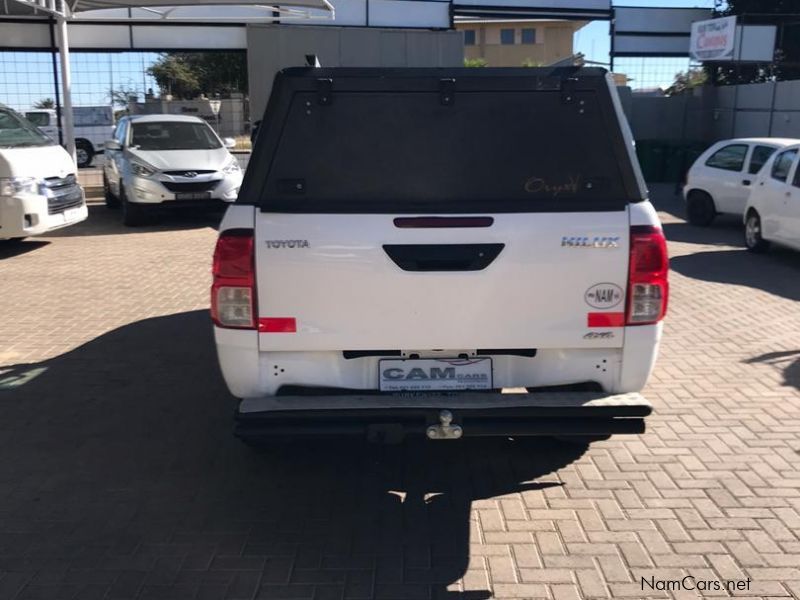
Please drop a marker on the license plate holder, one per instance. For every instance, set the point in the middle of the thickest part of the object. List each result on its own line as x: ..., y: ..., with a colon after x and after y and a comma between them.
x: 434, y: 374
x: 71, y: 214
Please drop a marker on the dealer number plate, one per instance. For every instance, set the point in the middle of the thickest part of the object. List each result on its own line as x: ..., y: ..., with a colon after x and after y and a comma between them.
x: 429, y: 374
x: 193, y: 196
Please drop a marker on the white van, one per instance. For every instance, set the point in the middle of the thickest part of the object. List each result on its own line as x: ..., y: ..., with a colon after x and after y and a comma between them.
x: 93, y: 126
x: 39, y: 191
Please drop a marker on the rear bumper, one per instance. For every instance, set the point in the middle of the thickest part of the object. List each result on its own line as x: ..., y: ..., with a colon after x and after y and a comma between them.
x: 475, y: 413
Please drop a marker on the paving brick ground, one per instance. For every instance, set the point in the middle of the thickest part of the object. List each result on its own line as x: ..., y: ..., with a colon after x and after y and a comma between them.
x: 119, y: 477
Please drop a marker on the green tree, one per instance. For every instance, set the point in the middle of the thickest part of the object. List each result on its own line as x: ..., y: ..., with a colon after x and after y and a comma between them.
x: 186, y: 75
x: 686, y: 81
x: 475, y: 62
x: 120, y: 96
x: 45, y: 103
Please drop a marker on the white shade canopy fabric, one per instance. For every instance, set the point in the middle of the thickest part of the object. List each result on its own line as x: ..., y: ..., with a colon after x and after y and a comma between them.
x: 77, y: 6
x: 42, y: 8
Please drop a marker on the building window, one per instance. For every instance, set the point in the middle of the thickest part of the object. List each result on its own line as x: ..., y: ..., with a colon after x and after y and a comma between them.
x: 506, y: 36
x: 469, y: 37
x: 528, y: 36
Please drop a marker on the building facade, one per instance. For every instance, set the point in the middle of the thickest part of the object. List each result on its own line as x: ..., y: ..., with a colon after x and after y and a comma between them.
x: 518, y: 43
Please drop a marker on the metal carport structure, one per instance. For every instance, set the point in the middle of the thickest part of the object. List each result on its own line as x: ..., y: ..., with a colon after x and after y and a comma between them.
x: 63, y: 10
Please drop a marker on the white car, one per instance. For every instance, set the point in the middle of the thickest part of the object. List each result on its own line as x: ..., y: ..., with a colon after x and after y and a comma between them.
x: 773, y: 210
x: 441, y: 252
x: 39, y: 190
x: 720, y: 180
x: 167, y: 161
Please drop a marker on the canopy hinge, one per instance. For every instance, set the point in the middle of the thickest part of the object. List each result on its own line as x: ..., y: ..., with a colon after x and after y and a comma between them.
x: 324, y: 96
x: 447, y: 89
x: 567, y: 90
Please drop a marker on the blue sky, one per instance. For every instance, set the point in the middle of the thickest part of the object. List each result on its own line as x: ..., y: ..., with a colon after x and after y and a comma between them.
x: 27, y: 77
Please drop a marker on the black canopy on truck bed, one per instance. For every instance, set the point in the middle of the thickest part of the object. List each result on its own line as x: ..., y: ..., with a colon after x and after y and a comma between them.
x: 441, y: 141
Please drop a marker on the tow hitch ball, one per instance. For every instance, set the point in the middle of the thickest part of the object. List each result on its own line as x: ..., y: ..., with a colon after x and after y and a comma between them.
x: 444, y: 430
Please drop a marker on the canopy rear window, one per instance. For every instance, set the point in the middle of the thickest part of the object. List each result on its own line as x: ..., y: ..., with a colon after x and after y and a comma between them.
x: 501, y: 150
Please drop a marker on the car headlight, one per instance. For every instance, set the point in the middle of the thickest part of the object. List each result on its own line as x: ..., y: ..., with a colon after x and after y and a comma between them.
x: 142, y: 169
x: 10, y: 186
x: 232, y: 167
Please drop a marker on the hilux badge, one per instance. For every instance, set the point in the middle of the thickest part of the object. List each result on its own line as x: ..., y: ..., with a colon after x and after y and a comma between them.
x: 597, y: 241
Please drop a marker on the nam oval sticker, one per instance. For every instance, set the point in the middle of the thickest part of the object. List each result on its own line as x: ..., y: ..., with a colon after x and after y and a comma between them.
x: 603, y: 295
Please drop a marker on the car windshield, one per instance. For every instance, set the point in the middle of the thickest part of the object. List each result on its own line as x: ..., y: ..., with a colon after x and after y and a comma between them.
x: 173, y: 135
x: 16, y: 132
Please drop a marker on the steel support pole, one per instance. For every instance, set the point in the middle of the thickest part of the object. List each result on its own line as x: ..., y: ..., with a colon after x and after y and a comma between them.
x: 66, y: 87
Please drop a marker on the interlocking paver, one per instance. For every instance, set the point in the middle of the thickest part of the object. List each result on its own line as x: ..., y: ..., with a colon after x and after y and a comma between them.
x: 120, y: 478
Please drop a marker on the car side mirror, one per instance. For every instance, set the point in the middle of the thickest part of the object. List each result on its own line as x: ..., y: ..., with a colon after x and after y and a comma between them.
x: 113, y: 145
x: 229, y: 142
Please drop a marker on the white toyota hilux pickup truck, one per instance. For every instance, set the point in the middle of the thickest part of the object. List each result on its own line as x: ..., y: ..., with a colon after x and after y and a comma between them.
x: 444, y: 252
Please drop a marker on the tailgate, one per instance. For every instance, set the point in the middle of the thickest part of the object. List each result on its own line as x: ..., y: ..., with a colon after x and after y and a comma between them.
x: 339, y: 281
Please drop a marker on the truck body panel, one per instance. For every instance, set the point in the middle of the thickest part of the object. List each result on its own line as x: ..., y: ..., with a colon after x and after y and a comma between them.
x: 398, y: 217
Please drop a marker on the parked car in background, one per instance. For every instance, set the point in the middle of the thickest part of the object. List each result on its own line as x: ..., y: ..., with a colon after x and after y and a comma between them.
x: 39, y: 191
x: 720, y: 180
x: 93, y: 126
x: 773, y: 210
x: 167, y: 161
x: 389, y: 269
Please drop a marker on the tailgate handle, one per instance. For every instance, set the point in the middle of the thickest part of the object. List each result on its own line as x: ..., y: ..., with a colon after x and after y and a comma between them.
x: 443, y: 257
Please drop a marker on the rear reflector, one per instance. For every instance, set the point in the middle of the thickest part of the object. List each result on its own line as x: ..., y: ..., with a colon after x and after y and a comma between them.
x: 648, y: 285
x: 233, y: 293
x: 606, y: 319
x: 277, y: 325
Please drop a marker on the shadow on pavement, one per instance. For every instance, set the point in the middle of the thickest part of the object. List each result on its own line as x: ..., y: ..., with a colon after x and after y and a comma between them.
x: 11, y: 248
x: 105, y: 221
x: 788, y: 360
x: 776, y: 272
x: 120, y: 466
x: 725, y: 231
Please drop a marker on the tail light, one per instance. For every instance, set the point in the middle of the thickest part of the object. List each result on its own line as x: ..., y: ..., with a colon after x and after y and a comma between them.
x: 233, y: 292
x: 648, y: 287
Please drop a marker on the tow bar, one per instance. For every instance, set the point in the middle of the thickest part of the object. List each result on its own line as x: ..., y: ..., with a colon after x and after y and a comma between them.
x: 445, y: 431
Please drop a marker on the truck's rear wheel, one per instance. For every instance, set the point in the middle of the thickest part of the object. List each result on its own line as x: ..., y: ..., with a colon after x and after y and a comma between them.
x: 700, y: 209
x: 84, y: 153
x: 133, y: 215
